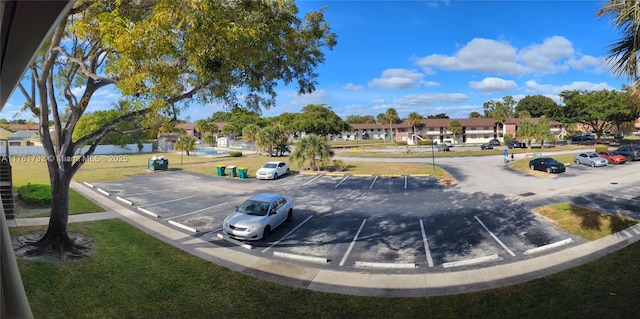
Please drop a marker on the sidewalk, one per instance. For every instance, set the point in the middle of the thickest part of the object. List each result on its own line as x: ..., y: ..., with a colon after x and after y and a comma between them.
x: 357, y: 283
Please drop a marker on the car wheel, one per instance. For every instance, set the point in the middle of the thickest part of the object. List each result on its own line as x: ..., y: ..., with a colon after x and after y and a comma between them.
x: 266, y: 232
x: 287, y: 173
x: 532, y: 167
x: 611, y: 162
x: 549, y: 170
x: 577, y: 161
x: 275, y: 175
x: 290, y: 215
x: 593, y: 164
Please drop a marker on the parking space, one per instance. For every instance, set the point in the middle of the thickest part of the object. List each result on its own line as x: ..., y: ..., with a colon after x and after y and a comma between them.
x: 390, y: 223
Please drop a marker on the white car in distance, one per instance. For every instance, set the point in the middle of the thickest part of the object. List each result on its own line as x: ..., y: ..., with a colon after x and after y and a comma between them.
x: 272, y: 170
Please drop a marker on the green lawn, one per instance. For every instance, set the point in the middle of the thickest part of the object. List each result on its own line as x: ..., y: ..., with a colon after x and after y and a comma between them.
x: 133, y: 275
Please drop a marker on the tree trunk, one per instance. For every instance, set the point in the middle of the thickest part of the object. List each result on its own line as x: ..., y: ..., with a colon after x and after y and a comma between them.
x: 56, y: 239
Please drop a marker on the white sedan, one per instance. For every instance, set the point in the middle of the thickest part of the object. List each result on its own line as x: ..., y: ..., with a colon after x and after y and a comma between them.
x: 272, y: 170
x: 256, y: 217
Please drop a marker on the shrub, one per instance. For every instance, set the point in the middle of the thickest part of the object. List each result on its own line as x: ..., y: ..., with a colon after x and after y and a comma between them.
x: 402, y: 143
x: 425, y: 142
x: 36, y: 195
x: 235, y: 154
x: 339, y: 165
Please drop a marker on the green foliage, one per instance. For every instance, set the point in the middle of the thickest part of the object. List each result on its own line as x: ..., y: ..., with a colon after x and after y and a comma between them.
x: 474, y: 115
x: 235, y: 154
x: 425, y: 142
x: 272, y: 137
x: 208, y: 138
x: 241, y: 118
x: 250, y: 132
x: 401, y: 143
x: 339, y: 165
x: 598, y: 110
x: 185, y: 143
x: 360, y: 119
x: 221, y: 116
x: 508, y: 138
x: 310, y: 149
x: 414, y: 119
x: 537, y: 106
x: 455, y: 127
x: 319, y: 119
x: 439, y: 116
x: 499, y: 110
x: 36, y: 195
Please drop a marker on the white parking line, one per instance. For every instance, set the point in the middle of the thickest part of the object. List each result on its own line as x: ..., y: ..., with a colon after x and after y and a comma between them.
x: 311, y: 180
x: 287, y: 235
x: 195, y: 212
x: 361, y: 264
x: 344, y: 179
x: 495, y: 237
x: 405, y: 181
x: 313, y: 259
x: 426, y: 245
x: 374, y: 181
x: 353, y: 242
x: 168, y: 201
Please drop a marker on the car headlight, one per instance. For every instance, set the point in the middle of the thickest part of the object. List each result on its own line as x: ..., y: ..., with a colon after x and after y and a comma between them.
x: 254, y: 228
x: 226, y: 221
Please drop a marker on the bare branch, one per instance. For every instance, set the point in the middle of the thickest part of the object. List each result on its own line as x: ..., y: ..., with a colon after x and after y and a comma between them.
x: 83, y: 67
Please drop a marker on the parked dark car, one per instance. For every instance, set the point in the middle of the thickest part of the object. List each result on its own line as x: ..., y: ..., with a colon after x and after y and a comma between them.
x: 516, y: 144
x: 631, y: 152
x: 546, y: 164
x: 494, y: 142
x: 583, y: 139
x: 486, y: 147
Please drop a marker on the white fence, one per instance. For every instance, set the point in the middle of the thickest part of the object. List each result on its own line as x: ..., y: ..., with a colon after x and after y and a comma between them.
x: 100, y: 150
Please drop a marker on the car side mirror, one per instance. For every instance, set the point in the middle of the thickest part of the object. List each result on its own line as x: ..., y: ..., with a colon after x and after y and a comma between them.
x: 273, y: 212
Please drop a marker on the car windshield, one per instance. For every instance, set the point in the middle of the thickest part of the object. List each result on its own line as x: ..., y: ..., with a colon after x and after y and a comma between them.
x: 254, y: 207
x: 593, y: 155
x: 270, y: 165
x: 614, y: 153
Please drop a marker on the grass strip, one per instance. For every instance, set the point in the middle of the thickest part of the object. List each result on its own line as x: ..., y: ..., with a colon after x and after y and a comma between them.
x: 133, y: 275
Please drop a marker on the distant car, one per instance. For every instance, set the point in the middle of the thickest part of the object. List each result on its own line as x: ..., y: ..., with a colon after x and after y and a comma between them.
x: 273, y: 170
x: 631, y: 152
x: 590, y: 158
x: 486, y: 146
x: 441, y: 147
x: 515, y: 144
x: 448, y: 143
x: 494, y: 142
x: 257, y: 216
x: 546, y: 164
x: 613, y: 157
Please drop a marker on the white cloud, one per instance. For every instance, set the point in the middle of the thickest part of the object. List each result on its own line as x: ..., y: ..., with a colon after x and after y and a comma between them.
x: 534, y: 87
x: 548, y: 57
x: 428, y: 99
x: 378, y: 101
x: 398, y: 79
x: 490, y: 84
x: 483, y: 55
x: 353, y: 87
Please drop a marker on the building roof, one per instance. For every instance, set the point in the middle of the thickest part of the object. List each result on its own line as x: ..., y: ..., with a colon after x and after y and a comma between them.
x: 24, y: 127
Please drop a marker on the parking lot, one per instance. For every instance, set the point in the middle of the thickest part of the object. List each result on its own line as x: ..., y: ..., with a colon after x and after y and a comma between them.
x: 379, y: 223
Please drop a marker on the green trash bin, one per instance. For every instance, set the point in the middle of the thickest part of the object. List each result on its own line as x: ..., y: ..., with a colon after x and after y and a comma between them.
x: 232, y: 171
x: 242, y: 172
x: 220, y: 169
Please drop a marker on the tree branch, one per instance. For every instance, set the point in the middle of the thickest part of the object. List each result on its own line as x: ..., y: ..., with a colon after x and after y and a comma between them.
x: 107, y: 128
x: 85, y: 71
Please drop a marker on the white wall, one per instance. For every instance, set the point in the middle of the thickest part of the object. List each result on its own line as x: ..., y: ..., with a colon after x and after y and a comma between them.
x: 100, y: 150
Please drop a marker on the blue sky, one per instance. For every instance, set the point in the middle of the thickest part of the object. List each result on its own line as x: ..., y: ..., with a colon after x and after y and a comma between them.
x: 442, y: 57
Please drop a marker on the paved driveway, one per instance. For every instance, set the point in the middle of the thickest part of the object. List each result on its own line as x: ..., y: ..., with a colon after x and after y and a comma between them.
x: 390, y: 224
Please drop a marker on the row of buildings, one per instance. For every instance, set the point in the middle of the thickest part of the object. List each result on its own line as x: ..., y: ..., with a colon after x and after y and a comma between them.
x: 474, y: 131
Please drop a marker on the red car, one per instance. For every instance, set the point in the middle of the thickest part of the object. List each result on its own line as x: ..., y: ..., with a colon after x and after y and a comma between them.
x: 613, y: 157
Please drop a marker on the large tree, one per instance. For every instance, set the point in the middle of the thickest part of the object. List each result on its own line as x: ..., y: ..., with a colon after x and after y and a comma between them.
x: 537, y: 106
x: 360, y: 119
x: 438, y: 116
x: 499, y: 111
x: 319, y: 119
x: 161, y: 54
x: 272, y: 138
x: 597, y: 110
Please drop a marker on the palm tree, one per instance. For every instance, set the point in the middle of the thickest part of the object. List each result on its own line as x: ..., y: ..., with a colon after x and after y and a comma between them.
x: 272, y: 137
x: 391, y: 116
x: 625, y: 15
x: 414, y: 119
x: 455, y: 127
x: 206, y: 125
x: 310, y: 149
x: 250, y: 132
x: 185, y: 143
